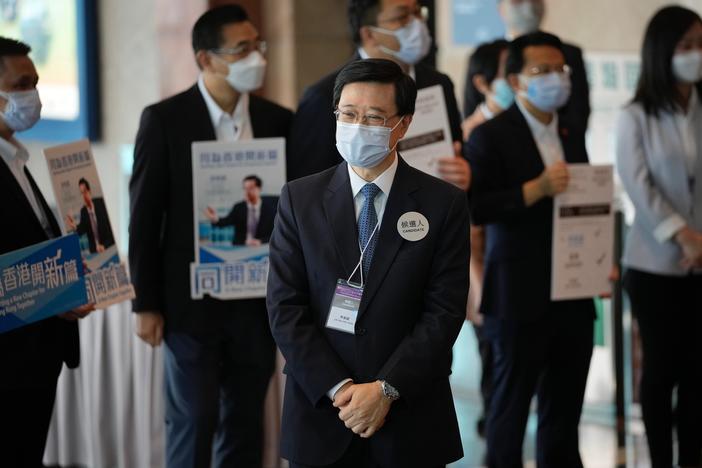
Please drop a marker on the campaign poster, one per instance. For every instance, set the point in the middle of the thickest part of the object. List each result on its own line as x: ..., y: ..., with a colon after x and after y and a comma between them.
x: 83, y: 211
x: 236, y: 186
x: 40, y: 281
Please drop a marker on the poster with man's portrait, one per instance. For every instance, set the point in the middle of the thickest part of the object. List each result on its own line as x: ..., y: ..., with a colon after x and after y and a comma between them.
x: 236, y: 186
x: 83, y: 211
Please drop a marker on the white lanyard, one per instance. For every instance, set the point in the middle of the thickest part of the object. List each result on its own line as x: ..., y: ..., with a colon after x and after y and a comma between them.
x: 360, y: 261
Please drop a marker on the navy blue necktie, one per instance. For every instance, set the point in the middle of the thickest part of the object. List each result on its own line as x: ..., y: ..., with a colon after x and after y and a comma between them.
x: 367, y: 221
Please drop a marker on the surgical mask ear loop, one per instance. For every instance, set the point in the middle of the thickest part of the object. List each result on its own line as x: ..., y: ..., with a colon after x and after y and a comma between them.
x: 360, y: 261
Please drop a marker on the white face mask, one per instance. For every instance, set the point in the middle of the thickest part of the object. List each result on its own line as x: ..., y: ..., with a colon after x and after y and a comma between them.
x: 414, y: 39
x: 363, y: 145
x: 525, y: 17
x: 247, y: 74
x: 687, y: 66
x: 23, y: 109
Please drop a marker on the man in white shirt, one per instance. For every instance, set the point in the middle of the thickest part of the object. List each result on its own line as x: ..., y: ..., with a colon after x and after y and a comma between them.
x: 31, y: 357
x: 219, y: 355
x: 540, y: 346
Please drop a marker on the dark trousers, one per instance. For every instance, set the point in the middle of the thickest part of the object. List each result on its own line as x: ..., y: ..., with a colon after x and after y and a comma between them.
x: 549, y: 357
x: 26, y: 414
x: 669, y: 312
x: 358, y: 455
x: 216, y: 385
x: 486, y: 358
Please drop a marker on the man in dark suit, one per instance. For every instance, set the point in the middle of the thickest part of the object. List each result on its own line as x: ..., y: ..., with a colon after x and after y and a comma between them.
x: 377, y: 26
x: 31, y: 357
x: 219, y: 354
x: 367, y: 341
x: 525, y: 16
x: 540, y: 346
x: 252, y: 218
x: 94, y: 220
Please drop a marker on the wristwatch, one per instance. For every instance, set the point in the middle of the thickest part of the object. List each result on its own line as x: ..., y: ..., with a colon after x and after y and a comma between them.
x: 389, y: 391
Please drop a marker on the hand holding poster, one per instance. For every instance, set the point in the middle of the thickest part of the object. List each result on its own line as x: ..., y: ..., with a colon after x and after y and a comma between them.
x: 235, y: 197
x: 83, y: 211
x: 40, y: 281
x: 583, y: 234
x: 429, y: 134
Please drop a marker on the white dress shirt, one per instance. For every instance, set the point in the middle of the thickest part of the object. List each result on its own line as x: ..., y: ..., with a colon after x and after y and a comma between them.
x: 16, y: 156
x: 546, y: 136
x: 228, y: 127
x: 384, y: 183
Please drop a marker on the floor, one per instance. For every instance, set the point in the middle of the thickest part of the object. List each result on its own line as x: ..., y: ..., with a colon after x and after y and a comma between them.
x: 598, y: 446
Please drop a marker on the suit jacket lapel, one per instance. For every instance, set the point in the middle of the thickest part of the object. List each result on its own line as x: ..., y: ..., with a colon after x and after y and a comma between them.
x: 522, y: 133
x: 389, y: 240
x: 341, y: 217
x: 200, y: 121
x: 43, y: 205
x: 14, y: 190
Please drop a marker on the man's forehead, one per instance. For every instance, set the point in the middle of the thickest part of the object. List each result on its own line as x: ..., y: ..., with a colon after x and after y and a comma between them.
x: 234, y: 33
x: 543, y: 53
x: 369, y: 94
x: 17, y: 67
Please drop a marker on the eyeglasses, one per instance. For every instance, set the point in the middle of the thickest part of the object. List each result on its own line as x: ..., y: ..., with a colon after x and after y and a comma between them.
x: 546, y: 69
x: 352, y: 117
x: 242, y: 49
x: 420, y: 12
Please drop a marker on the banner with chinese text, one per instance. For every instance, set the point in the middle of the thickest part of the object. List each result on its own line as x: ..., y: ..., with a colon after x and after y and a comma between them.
x: 41, y: 281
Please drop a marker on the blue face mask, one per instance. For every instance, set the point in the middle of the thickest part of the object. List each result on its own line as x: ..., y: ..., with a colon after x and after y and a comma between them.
x: 363, y: 145
x: 502, y: 93
x: 547, y: 92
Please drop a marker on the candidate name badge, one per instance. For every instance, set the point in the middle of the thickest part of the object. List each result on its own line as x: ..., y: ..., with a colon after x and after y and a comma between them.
x: 413, y: 226
x: 344, y: 307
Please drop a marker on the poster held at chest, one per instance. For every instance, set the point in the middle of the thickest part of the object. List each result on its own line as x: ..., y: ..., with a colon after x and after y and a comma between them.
x: 83, y: 211
x: 236, y: 186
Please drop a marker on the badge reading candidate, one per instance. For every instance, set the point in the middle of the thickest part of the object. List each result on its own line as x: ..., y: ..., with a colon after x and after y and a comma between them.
x: 413, y: 226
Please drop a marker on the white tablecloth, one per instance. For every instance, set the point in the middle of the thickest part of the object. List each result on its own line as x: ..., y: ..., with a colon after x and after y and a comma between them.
x: 110, y: 411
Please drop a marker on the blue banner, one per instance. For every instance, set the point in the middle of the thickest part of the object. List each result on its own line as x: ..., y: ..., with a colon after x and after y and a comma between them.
x: 41, y: 281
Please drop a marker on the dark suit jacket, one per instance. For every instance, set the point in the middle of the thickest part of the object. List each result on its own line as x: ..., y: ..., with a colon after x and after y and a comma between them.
x: 503, y: 155
x: 411, y: 312
x: 238, y: 216
x: 312, y: 145
x: 31, y: 356
x: 161, y: 229
x: 577, y: 109
x: 103, y: 225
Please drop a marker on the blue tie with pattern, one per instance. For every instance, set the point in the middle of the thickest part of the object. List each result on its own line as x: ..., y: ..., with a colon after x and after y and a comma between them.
x: 367, y: 221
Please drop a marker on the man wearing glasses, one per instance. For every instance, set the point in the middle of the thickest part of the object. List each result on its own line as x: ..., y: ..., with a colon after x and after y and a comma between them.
x: 540, y: 346
x: 367, y: 291
x: 219, y: 355
x: 390, y: 29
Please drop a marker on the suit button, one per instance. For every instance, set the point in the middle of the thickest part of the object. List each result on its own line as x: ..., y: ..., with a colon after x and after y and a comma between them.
x: 361, y: 331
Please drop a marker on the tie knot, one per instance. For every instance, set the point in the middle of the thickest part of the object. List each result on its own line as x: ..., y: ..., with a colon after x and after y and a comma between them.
x: 370, y: 191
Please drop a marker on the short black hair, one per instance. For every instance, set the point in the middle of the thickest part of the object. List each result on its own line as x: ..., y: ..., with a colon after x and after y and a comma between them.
x: 83, y: 181
x: 207, y: 31
x: 656, y: 90
x: 515, y: 57
x: 485, y: 61
x: 10, y: 47
x: 362, y: 13
x: 257, y: 180
x: 379, y: 71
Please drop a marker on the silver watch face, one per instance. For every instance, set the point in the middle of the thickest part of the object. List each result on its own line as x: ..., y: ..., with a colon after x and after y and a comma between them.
x: 390, y: 392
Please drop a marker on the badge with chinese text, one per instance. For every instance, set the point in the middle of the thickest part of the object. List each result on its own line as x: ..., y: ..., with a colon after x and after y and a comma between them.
x: 413, y: 226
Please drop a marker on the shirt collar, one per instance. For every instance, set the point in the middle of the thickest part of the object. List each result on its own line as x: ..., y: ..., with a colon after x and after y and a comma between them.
x: 13, y: 152
x: 538, y: 129
x: 383, y: 181
x: 692, y: 105
x: 411, y: 72
x: 216, y: 112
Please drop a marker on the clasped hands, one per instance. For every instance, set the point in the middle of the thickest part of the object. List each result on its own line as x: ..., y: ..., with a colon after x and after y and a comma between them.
x: 362, y: 407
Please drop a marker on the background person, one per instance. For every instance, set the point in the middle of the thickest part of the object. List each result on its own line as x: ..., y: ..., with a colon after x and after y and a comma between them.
x: 659, y: 160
